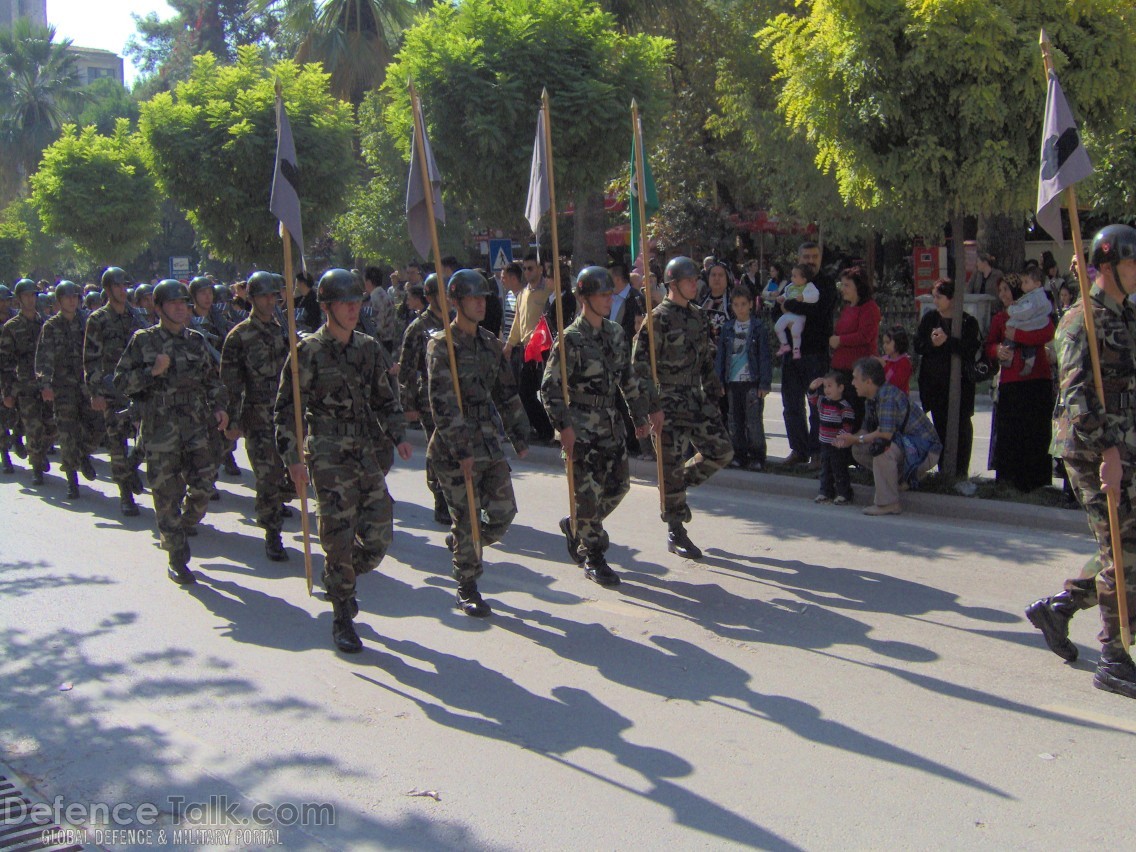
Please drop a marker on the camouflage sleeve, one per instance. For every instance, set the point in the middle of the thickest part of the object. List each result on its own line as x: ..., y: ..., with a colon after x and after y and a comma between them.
x: 232, y: 371
x: 630, y: 385
x: 641, y: 364
x: 132, y: 377
x: 386, y: 404
x: 93, y: 356
x: 711, y: 383
x: 386, y: 325
x: 215, y: 390
x: 508, y: 403
x: 7, y: 363
x: 283, y: 411
x: 45, y: 355
x: 410, y: 356
x: 1094, y: 428
x: 451, y: 428
x: 551, y: 388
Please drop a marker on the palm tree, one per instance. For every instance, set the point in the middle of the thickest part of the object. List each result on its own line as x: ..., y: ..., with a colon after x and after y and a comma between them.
x: 39, y: 92
x: 354, y: 39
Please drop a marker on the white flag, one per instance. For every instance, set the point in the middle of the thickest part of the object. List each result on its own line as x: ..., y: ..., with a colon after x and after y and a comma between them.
x: 1064, y: 160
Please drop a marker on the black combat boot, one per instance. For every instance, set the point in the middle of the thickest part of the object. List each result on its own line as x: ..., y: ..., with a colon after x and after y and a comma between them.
x: 179, y: 567
x: 274, y: 547
x: 470, y: 602
x: 18, y: 446
x: 72, y: 485
x: 679, y: 542
x: 1116, y: 673
x: 7, y: 459
x: 45, y: 465
x: 441, y: 510
x: 598, y: 571
x: 342, y: 629
x: 571, y: 541
x: 1051, y: 616
x: 285, y: 510
x: 37, y: 474
x: 230, y: 465
x: 87, y: 468
x: 126, y: 502
x: 136, y: 482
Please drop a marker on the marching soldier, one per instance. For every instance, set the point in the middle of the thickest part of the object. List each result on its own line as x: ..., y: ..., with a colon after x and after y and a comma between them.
x: 18, y: 385
x: 230, y: 311
x: 1097, y: 440
x: 347, y: 398
x: 109, y: 329
x: 9, y: 417
x: 251, y: 360
x: 209, y: 319
x: 144, y: 305
x: 168, y: 370
x: 688, y: 391
x: 59, y: 368
x: 465, y: 439
x: 413, y: 377
x: 591, y: 426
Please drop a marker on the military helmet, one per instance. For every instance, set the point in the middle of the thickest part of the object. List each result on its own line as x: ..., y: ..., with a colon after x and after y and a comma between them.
x: 93, y: 300
x: 141, y: 291
x: 1113, y: 244
x: 594, y: 281
x: 67, y: 288
x: 222, y: 295
x: 170, y: 290
x: 198, y: 284
x: 113, y: 275
x: 339, y: 285
x: 25, y: 285
x: 418, y: 290
x: 5, y: 293
x: 264, y: 283
x: 467, y: 282
x: 679, y: 268
x: 430, y: 287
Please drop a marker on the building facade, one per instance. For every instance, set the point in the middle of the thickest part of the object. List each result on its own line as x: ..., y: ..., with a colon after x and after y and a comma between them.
x: 12, y: 10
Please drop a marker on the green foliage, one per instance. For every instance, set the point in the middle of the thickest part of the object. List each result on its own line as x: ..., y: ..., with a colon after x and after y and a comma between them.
x: 107, y: 102
x: 96, y: 191
x: 479, y: 67
x: 930, y: 108
x: 41, y: 254
x: 212, y: 144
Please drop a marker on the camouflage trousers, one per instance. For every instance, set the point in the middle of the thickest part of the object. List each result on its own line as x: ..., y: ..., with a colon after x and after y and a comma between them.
x: 702, y: 428
x: 493, y: 491
x: 9, y: 426
x: 354, y: 509
x: 181, y: 480
x: 36, y: 420
x: 602, y: 481
x: 79, y: 426
x: 120, y: 430
x: 273, y: 486
x: 431, y: 475
x: 1087, y: 590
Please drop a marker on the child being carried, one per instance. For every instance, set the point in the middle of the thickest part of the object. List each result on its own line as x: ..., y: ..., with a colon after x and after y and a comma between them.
x: 1031, y: 312
x: 799, y: 289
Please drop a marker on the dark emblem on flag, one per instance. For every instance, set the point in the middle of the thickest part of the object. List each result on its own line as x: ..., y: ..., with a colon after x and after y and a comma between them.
x: 291, y: 174
x: 1057, y: 150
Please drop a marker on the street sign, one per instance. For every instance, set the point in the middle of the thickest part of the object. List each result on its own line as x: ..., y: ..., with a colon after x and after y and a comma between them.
x: 179, y: 268
x: 500, y: 254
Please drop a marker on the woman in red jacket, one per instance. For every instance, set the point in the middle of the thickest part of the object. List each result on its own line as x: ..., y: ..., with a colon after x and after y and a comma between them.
x: 856, y: 334
x: 1019, y: 441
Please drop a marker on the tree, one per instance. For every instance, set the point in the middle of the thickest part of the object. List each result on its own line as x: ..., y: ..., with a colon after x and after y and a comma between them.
x: 212, y: 145
x: 480, y: 67
x: 96, y: 191
x: 107, y: 102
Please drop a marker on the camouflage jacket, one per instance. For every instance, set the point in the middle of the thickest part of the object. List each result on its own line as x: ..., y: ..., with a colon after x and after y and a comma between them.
x: 1082, y: 427
x: 600, y: 378
x: 178, y: 406
x: 486, y: 380
x: 215, y: 328
x: 18, y: 340
x: 412, y: 373
x: 251, y: 360
x: 346, y: 395
x: 59, y: 355
x: 684, y: 355
x: 108, y: 333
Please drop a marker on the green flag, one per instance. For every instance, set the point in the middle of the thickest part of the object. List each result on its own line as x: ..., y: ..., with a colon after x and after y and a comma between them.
x: 650, y: 199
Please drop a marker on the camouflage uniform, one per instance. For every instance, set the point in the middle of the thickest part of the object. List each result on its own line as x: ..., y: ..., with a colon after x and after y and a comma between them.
x: 599, y: 379
x: 251, y: 360
x: 18, y: 341
x: 59, y: 366
x: 486, y: 381
x: 412, y: 381
x: 347, y: 399
x: 178, y: 421
x: 688, y: 394
x: 1083, y: 429
x: 108, y: 332
x: 215, y: 329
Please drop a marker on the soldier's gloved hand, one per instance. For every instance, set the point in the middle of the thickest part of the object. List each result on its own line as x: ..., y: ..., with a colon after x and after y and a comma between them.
x: 9, y: 402
x: 567, y: 441
x: 98, y: 403
x: 299, y: 474
x: 161, y: 364
x: 48, y: 395
x: 1110, y: 471
x: 222, y: 419
x: 405, y: 451
x: 411, y: 416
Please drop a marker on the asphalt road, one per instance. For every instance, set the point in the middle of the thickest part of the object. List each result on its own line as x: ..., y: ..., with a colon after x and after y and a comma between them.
x: 821, y: 680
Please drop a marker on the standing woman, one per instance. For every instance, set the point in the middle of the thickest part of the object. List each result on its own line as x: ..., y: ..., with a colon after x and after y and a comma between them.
x: 934, y: 344
x: 856, y: 334
x: 1019, y: 451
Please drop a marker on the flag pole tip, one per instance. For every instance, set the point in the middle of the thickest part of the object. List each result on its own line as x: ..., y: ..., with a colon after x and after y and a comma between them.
x: 279, y: 88
x: 634, y: 104
x: 1044, y: 37
x: 544, y: 93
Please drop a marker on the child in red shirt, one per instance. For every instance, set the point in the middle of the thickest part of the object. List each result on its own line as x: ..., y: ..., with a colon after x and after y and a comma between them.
x: 897, y: 363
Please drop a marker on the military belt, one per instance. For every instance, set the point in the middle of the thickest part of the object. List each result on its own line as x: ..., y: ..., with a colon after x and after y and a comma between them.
x: 179, y: 397
x: 1119, y: 401
x: 477, y: 409
x: 591, y: 400
x: 263, y: 391
x: 679, y: 380
x: 343, y: 429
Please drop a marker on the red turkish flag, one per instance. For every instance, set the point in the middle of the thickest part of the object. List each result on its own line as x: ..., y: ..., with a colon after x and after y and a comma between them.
x: 539, y: 343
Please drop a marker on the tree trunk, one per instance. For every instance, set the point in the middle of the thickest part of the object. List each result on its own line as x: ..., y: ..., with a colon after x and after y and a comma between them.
x: 589, y: 245
x: 1004, y: 236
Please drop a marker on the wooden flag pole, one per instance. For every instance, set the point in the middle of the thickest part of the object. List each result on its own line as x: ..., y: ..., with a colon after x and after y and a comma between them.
x: 443, y: 301
x: 637, y: 135
x: 1094, y: 357
x: 546, y: 108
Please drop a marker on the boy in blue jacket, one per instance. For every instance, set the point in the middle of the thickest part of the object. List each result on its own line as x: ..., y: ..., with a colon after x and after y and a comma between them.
x: 745, y: 367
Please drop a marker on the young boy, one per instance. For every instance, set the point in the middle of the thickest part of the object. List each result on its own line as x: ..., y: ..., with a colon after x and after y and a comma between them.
x: 1029, y: 313
x: 836, y: 416
x: 745, y: 367
x: 801, y: 289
